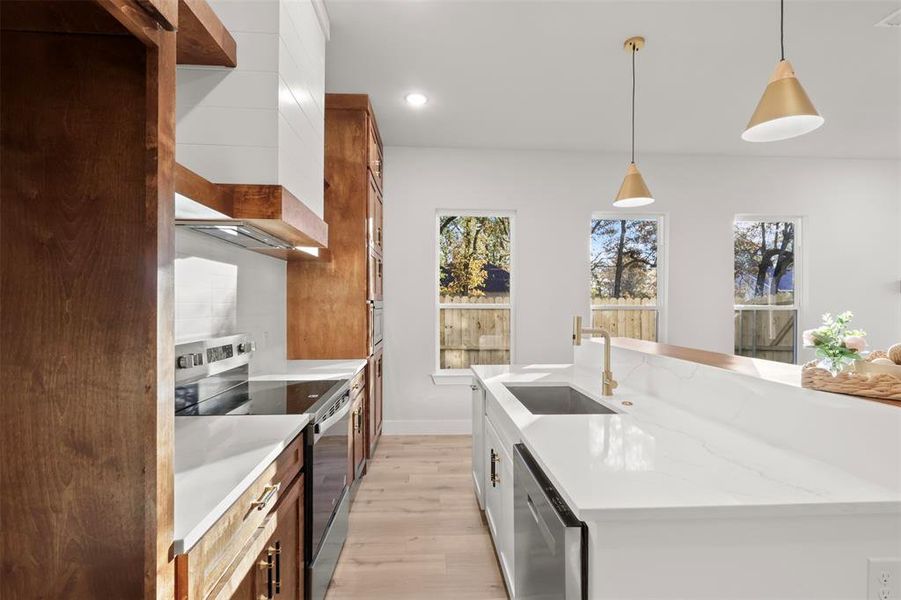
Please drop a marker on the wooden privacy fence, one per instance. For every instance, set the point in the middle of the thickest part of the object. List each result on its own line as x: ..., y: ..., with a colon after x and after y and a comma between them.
x: 636, y: 322
x: 474, y: 336
x: 768, y: 334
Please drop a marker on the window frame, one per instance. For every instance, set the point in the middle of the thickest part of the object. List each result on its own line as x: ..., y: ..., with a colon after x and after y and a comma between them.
x: 798, y: 269
x: 662, y: 267
x: 451, y: 376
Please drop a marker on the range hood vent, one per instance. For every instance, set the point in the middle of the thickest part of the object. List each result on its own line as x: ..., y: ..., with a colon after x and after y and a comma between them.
x: 235, y: 232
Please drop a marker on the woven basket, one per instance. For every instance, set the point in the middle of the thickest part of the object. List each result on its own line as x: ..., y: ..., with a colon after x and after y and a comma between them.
x: 871, y: 385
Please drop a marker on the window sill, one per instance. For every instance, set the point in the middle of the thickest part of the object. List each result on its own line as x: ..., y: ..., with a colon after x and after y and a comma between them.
x: 452, y: 377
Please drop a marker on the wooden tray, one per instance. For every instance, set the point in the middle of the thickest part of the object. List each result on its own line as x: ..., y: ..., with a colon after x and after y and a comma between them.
x: 871, y: 381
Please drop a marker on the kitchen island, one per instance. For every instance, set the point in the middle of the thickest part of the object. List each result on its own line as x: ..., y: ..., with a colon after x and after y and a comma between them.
x: 704, y: 482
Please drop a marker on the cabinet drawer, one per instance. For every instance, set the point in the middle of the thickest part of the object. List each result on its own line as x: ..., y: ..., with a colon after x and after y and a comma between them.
x: 358, y: 385
x: 209, y: 560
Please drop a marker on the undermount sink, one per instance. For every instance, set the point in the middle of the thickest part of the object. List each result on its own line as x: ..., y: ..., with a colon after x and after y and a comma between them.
x: 557, y: 400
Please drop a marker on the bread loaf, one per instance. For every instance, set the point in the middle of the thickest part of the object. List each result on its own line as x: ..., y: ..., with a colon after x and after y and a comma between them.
x: 894, y: 354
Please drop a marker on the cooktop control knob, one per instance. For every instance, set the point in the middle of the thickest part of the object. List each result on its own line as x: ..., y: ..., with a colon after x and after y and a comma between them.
x: 185, y: 361
x: 245, y: 347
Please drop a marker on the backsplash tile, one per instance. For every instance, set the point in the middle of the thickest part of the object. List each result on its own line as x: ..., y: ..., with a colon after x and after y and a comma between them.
x: 222, y: 289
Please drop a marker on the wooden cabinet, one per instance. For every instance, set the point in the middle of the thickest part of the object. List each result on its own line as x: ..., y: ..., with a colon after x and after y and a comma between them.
x: 355, y: 438
x: 227, y: 558
x: 375, y: 154
x: 277, y: 570
x: 375, y: 276
x: 374, y: 400
x: 87, y: 128
x: 328, y: 301
x: 375, y: 219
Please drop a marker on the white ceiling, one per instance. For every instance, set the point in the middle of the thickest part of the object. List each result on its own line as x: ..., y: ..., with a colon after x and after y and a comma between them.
x: 553, y: 75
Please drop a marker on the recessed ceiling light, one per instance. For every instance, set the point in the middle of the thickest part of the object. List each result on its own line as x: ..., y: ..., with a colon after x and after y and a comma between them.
x: 415, y: 99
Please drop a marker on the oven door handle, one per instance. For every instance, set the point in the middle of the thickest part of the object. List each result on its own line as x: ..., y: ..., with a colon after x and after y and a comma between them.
x: 322, y: 426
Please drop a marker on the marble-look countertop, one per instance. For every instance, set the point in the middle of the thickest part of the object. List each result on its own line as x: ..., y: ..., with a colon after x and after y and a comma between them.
x: 217, y: 458
x: 655, y: 460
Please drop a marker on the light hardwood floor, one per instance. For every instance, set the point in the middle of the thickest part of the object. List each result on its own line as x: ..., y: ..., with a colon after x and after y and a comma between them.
x: 415, y: 527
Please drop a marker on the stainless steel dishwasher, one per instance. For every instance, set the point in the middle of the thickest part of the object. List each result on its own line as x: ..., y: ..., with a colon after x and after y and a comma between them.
x: 550, y: 543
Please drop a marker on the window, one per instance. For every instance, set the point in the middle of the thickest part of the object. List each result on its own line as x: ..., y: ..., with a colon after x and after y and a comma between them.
x: 474, y: 289
x: 766, y: 288
x: 625, y: 275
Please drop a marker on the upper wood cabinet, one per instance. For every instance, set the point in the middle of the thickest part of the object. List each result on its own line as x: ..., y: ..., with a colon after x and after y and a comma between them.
x: 375, y: 220
x: 327, y: 306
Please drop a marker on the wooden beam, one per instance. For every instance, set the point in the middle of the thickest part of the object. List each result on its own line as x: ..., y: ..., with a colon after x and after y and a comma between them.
x: 191, y: 185
x: 202, y: 38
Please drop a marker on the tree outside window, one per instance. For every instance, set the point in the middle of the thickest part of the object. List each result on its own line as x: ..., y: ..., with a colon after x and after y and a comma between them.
x: 766, y: 310
x: 474, y: 304
x: 624, y: 276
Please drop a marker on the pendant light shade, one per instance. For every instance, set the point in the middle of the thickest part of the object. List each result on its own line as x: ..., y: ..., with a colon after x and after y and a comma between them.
x: 634, y: 191
x: 785, y: 111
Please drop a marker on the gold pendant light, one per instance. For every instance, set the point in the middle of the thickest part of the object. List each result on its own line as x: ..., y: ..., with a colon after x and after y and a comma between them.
x: 784, y: 111
x: 634, y: 191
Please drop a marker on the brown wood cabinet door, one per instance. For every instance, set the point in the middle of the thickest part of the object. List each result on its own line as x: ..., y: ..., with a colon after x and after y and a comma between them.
x: 379, y: 222
x: 359, y: 455
x: 375, y: 275
x: 251, y: 582
x: 378, y: 392
x: 374, y: 217
x: 371, y: 431
x: 375, y: 156
x: 277, y: 572
x: 287, y: 545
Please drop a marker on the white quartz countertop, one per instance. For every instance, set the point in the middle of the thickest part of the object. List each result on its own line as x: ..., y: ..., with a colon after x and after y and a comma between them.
x: 218, y: 457
x: 308, y: 370
x: 653, y: 460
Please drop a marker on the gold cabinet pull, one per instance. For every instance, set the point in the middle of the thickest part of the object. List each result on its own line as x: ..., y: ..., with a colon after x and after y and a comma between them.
x: 268, y: 492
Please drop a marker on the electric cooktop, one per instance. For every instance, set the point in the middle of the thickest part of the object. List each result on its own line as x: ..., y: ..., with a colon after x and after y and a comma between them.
x: 256, y: 397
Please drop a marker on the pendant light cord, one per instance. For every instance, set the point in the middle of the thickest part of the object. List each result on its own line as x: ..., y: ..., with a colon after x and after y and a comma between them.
x: 782, y: 28
x: 634, y: 50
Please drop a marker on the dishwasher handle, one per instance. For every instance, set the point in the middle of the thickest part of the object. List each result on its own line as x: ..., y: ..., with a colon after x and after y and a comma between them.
x: 542, y: 525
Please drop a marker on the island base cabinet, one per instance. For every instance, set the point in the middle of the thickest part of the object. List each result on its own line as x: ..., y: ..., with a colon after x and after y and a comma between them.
x: 478, y: 443
x: 499, y: 500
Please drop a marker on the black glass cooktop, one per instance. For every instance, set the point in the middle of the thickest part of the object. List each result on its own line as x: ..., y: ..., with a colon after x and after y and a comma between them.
x: 256, y: 398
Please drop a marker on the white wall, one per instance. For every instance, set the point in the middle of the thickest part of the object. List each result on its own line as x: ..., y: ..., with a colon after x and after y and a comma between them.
x: 263, y: 121
x: 222, y: 290
x: 851, y: 257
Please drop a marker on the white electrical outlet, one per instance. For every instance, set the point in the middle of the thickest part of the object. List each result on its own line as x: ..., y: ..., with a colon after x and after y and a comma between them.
x: 884, y: 579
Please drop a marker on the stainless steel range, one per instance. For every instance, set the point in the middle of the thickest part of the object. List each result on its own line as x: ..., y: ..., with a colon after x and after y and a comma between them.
x: 212, y: 378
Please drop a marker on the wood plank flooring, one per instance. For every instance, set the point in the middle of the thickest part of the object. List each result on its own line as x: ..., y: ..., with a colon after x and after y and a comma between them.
x: 415, y: 527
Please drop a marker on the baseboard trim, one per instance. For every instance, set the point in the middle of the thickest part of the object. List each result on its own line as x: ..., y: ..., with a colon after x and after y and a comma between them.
x: 445, y: 427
